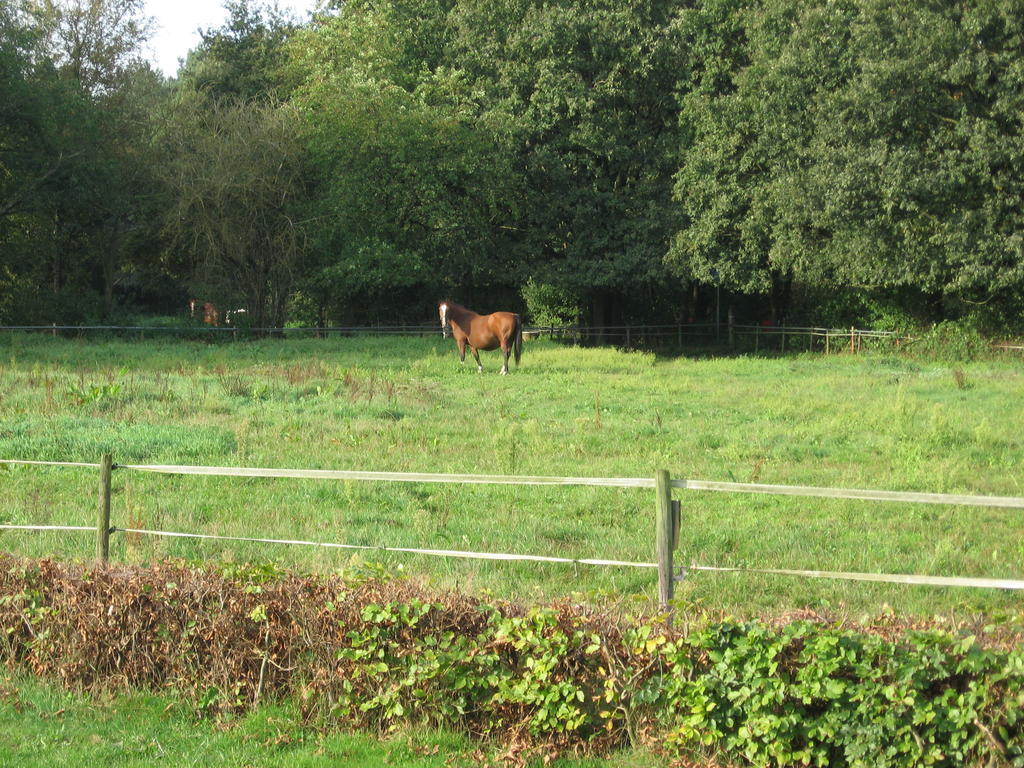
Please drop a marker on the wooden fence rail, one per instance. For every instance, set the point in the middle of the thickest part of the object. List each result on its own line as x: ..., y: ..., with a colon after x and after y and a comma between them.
x: 667, y: 520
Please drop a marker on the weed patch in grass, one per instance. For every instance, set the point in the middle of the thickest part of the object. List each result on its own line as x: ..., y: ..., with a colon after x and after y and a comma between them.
x: 85, y: 438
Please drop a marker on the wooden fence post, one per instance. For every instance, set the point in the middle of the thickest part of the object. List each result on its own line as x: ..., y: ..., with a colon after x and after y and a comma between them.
x: 664, y: 533
x: 103, y: 510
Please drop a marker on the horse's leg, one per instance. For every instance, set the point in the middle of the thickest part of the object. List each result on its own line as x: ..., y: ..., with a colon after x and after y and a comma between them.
x: 476, y: 354
x: 505, y: 350
x: 462, y: 350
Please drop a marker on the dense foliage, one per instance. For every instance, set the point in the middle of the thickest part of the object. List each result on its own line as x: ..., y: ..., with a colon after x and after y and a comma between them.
x: 852, y: 161
x: 375, y: 654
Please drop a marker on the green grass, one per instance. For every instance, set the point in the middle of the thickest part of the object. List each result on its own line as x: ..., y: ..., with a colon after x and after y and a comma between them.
x: 405, y: 404
x: 43, y: 726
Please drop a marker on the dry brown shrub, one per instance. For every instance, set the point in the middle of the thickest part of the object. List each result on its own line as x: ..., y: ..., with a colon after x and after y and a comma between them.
x: 196, y: 631
x: 192, y: 629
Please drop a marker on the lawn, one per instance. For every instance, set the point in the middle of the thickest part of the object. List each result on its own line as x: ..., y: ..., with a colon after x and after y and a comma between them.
x: 405, y: 404
x: 44, y: 726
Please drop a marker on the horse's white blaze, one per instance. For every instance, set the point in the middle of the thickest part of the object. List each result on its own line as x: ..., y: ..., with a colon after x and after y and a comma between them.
x: 444, y: 319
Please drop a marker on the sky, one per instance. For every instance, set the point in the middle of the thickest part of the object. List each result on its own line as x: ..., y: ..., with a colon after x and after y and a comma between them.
x: 176, y: 25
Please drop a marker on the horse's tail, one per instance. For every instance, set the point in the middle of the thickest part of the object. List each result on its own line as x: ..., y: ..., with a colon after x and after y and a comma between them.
x: 519, y: 338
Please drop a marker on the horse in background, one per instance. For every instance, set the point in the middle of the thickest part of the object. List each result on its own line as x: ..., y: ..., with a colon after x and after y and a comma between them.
x: 482, y: 332
x: 211, y: 315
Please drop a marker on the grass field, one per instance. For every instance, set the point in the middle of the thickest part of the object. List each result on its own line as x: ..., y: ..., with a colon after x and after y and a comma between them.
x: 405, y: 404
x: 42, y: 726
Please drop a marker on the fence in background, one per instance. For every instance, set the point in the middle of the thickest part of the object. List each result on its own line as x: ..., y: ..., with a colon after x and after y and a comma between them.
x: 228, y: 331
x: 738, y: 336
x: 765, y: 337
x: 667, y: 516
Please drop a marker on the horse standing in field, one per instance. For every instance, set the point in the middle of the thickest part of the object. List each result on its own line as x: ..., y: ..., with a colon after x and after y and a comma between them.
x: 486, y: 332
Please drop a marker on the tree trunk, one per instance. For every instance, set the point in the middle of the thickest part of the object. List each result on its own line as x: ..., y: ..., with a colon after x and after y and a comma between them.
x: 779, y: 296
x: 109, y: 260
x: 597, y: 319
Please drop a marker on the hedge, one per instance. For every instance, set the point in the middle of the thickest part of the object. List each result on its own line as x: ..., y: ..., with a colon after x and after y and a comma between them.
x: 372, y: 653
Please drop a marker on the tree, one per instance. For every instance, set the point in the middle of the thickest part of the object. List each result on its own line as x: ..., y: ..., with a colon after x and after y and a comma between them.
x: 924, y: 139
x: 412, y: 189
x: 234, y: 167
x: 492, y: 142
x: 29, y: 158
x: 235, y: 180
x: 73, y: 154
x: 243, y: 59
x: 863, y: 144
x: 93, y: 42
x: 588, y: 92
x: 763, y: 67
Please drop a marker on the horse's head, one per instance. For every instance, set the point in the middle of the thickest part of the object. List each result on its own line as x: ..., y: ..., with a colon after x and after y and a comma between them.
x: 442, y: 310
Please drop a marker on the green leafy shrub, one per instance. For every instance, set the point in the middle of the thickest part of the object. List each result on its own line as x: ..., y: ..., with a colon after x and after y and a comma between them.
x: 548, y: 672
x: 813, y: 695
x: 952, y: 341
x: 551, y: 305
x: 840, y: 307
x: 402, y: 663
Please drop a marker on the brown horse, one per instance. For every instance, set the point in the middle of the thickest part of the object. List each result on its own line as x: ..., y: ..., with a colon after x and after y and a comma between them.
x: 211, y: 315
x: 501, y: 329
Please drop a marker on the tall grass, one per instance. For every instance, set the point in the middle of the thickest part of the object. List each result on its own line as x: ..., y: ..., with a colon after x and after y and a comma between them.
x: 405, y: 404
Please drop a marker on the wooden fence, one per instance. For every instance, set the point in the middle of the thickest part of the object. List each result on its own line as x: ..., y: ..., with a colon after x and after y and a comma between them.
x: 668, y: 519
